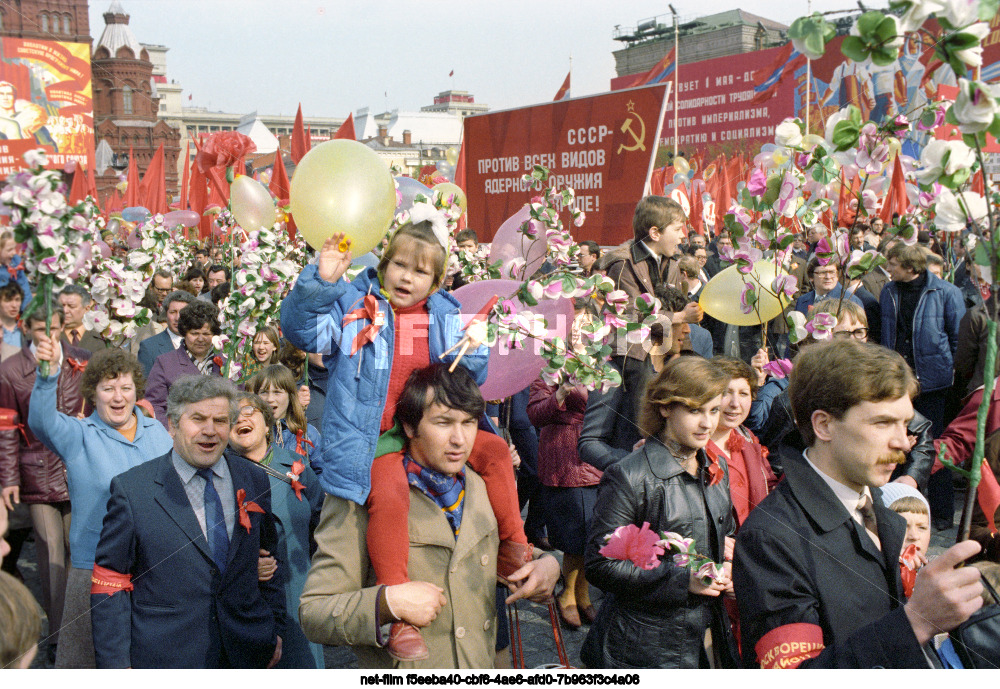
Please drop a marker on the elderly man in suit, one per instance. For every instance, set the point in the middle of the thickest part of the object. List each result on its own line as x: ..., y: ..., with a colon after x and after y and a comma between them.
x: 175, y: 579
x: 170, y: 339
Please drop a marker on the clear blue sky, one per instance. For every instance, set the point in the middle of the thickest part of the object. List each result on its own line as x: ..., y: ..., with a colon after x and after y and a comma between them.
x: 335, y: 57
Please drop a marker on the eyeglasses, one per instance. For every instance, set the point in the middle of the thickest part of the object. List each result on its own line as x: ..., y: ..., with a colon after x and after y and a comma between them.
x: 857, y: 334
x: 247, y: 411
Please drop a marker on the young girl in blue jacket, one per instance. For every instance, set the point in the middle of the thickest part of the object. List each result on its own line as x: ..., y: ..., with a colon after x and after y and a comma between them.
x: 373, y: 332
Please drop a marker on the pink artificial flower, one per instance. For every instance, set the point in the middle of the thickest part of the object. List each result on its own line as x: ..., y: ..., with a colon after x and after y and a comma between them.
x: 821, y: 326
x: 786, y: 284
x: 709, y: 572
x: 675, y: 541
x: 757, y: 184
x: 637, y: 544
x: 938, y: 118
x: 748, y: 298
x: 617, y: 300
x: 824, y: 252
x: 682, y: 559
x: 779, y: 368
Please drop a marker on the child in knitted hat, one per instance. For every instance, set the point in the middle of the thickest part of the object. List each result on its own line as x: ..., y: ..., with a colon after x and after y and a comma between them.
x: 909, y: 503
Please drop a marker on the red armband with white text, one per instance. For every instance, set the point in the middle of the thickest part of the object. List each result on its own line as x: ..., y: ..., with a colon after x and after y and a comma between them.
x: 789, y: 645
x: 108, y: 581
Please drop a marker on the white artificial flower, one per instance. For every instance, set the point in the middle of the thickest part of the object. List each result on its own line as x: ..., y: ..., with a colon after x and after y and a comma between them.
x: 831, y: 122
x: 421, y: 212
x: 788, y: 133
x: 917, y: 14
x: 931, y: 160
x: 953, y: 211
x: 959, y: 13
x: 36, y: 158
x: 975, y: 106
x: 973, y: 56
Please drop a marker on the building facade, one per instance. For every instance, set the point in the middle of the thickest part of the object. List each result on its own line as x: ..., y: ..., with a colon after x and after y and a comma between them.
x: 127, y: 107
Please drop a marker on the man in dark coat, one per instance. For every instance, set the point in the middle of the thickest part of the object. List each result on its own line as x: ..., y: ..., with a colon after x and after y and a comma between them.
x: 175, y: 577
x: 816, y: 565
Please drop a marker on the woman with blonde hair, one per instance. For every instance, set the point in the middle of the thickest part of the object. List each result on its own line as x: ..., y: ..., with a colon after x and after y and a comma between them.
x: 276, y: 385
x: 658, y: 617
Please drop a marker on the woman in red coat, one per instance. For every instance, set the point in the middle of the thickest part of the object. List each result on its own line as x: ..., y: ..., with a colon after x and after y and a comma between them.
x: 571, y: 489
x: 750, y: 474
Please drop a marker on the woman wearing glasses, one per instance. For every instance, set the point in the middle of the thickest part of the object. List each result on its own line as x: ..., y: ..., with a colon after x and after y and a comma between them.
x: 771, y: 417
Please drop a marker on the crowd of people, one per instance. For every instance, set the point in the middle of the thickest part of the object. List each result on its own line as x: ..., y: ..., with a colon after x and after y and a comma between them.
x: 354, y: 488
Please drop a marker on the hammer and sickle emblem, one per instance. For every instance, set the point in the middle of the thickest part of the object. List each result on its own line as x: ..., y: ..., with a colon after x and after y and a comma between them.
x: 637, y: 139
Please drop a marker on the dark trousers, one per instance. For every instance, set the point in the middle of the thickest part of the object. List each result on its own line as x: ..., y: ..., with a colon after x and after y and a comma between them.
x: 940, y: 490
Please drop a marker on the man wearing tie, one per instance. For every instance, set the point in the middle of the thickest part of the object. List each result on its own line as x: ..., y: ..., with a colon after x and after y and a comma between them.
x: 175, y: 577
x: 76, y: 301
x: 816, y: 564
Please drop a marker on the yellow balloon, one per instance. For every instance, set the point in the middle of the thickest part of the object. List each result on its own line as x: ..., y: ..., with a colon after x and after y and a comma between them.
x: 721, y: 296
x: 451, y: 155
x: 343, y: 186
x: 447, y: 188
x: 780, y: 156
x: 681, y: 166
x: 253, y: 207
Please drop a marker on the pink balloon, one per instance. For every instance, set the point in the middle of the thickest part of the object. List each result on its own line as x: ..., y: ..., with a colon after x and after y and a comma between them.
x: 183, y: 218
x: 509, y: 243
x: 134, y: 240
x: 103, y: 249
x: 510, y: 371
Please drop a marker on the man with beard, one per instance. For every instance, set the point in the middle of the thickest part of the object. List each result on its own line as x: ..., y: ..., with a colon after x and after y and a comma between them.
x: 816, y: 565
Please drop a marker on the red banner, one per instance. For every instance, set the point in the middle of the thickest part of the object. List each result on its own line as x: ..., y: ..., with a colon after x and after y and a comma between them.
x: 715, y: 114
x: 601, y: 146
x: 46, y: 101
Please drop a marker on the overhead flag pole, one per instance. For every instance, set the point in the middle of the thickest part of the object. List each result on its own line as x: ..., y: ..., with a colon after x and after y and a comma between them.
x: 677, y: 63
x: 808, y: 72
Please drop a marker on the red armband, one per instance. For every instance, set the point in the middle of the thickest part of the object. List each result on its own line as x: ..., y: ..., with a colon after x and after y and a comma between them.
x: 788, y: 646
x: 108, y: 581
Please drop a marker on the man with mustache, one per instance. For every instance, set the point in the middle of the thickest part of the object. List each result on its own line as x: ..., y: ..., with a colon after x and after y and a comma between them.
x: 816, y: 563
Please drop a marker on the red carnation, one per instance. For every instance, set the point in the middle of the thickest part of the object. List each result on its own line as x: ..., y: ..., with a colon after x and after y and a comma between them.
x: 224, y: 149
x: 638, y: 544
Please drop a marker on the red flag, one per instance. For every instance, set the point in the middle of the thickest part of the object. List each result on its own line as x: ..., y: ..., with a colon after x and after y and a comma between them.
x: 299, y: 144
x: 92, y: 184
x: 186, y: 177
x: 132, y: 179
x: 978, y: 186
x: 280, y: 186
x: 78, y: 189
x: 768, y: 79
x: 660, y: 72
x: 988, y: 495
x: 896, y: 200
x: 563, y: 92
x: 697, y: 209
x: 451, y: 73
x: 153, y: 187
x: 113, y: 204
x: 723, y: 199
x: 657, y: 183
x: 845, y: 216
x: 346, y: 130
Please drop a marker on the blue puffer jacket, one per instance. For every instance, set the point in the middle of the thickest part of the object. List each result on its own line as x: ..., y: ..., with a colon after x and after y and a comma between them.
x: 311, y: 319
x: 15, y: 272
x: 940, y: 307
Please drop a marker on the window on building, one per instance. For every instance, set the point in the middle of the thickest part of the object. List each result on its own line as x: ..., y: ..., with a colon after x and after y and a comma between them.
x: 66, y: 25
x: 163, y: 107
x: 45, y: 22
x: 127, y: 100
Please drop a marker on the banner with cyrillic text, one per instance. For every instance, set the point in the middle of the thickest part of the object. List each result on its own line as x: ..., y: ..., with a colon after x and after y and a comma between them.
x: 601, y: 146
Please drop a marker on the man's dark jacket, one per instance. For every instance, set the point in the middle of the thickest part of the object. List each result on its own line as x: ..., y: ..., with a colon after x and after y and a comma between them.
x: 802, y: 560
x: 184, y: 612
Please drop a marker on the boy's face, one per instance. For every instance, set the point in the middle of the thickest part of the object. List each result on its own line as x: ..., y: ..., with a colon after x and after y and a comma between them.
x: 10, y: 308
x: 668, y: 238
x: 918, y: 530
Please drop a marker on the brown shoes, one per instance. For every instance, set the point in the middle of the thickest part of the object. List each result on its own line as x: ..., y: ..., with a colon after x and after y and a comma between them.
x: 511, y: 557
x: 569, y: 615
x: 406, y: 644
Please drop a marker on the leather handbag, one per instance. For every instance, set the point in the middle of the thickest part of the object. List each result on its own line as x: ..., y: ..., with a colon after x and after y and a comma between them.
x: 977, y: 640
